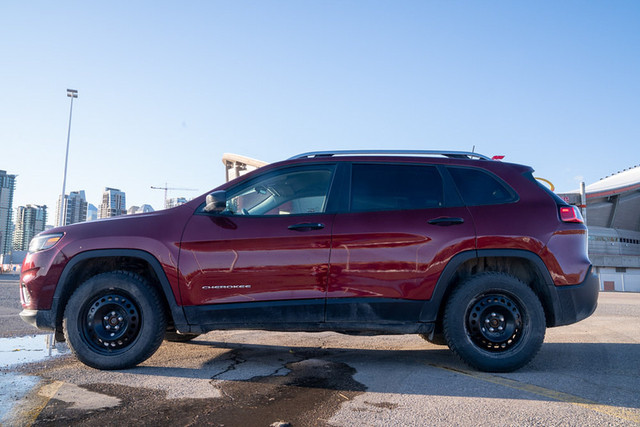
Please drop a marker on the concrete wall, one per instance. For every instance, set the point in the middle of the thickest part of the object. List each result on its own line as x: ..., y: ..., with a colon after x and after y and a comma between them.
x: 619, y: 279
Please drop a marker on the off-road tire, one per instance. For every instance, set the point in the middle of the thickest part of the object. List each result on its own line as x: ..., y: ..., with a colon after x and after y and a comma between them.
x: 114, y: 320
x: 494, y: 322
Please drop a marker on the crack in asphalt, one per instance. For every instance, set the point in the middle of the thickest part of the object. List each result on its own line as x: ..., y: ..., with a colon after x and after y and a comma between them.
x: 235, y: 359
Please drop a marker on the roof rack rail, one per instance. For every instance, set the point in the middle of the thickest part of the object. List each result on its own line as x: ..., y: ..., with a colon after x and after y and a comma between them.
x: 450, y: 154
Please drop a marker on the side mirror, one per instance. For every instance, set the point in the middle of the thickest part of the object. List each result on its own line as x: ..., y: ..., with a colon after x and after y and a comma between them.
x: 216, y: 201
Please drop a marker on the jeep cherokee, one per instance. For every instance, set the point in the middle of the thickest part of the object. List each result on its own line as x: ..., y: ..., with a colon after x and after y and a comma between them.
x: 461, y: 249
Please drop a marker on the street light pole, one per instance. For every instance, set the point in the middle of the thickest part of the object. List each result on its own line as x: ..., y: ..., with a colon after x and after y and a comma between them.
x: 71, y: 93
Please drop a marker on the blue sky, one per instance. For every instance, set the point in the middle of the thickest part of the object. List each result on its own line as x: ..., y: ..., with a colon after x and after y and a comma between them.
x: 165, y: 88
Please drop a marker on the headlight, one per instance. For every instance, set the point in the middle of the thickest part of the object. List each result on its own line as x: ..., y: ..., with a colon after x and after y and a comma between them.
x: 44, y: 242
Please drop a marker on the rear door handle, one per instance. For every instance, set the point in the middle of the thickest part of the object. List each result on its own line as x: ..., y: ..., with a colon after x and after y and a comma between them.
x: 445, y: 220
x: 306, y: 226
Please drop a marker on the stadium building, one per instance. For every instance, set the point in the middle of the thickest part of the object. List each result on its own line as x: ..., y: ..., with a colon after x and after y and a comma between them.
x: 613, y: 219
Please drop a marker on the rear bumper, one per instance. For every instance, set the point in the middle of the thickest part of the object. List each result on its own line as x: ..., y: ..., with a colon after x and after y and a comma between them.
x: 577, y: 302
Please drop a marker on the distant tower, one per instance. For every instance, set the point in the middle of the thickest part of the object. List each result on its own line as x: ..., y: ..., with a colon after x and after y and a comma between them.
x: 113, y: 203
x: 7, y: 186
x: 75, y: 209
x: 30, y: 220
x: 92, y: 212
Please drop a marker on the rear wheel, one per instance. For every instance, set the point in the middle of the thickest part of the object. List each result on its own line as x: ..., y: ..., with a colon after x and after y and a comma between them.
x: 494, y: 322
x: 114, y: 321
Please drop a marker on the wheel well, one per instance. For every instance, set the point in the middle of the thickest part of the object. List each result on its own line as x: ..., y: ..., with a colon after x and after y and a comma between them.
x: 521, y: 268
x: 90, y: 267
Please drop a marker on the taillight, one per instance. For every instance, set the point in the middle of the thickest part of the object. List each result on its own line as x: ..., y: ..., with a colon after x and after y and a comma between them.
x: 570, y: 214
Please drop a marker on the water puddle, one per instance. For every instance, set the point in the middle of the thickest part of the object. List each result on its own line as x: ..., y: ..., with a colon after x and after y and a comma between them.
x: 29, y: 349
x: 13, y: 389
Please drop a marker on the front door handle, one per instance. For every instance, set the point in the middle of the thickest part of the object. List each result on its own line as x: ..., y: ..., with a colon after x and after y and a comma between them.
x: 446, y: 220
x: 306, y: 226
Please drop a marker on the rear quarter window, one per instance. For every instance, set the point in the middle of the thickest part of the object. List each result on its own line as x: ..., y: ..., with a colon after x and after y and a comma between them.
x: 479, y: 187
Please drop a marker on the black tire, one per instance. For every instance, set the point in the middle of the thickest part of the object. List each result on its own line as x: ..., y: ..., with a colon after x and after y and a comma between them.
x: 436, y: 339
x: 114, y: 321
x: 173, y: 336
x: 494, y: 322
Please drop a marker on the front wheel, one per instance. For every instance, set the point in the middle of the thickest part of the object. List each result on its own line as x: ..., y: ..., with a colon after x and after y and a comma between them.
x: 114, y: 321
x: 494, y: 322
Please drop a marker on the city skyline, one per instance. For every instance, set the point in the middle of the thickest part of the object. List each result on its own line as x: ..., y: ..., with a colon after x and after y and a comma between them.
x: 156, y: 205
x: 76, y: 210
x: 172, y: 201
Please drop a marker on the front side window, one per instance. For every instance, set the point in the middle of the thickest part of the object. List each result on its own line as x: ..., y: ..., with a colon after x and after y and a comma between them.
x: 383, y: 187
x: 299, y: 190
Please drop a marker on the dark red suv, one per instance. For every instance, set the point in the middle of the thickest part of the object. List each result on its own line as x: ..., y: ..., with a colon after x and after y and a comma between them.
x: 461, y: 249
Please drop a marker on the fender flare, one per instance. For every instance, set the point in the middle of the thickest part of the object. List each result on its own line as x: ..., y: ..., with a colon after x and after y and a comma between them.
x: 176, y: 310
x: 549, y: 297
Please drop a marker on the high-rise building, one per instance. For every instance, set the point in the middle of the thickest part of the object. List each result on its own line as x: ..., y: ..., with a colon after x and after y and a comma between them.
x: 113, y: 203
x: 92, y: 212
x: 7, y: 186
x: 75, y: 208
x: 30, y: 220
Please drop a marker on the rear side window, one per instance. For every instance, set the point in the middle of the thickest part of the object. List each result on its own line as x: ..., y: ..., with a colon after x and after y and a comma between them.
x: 478, y: 187
x: 383, y: 187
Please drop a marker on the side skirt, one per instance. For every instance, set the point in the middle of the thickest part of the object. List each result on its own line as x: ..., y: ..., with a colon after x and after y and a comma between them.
x: 360, y: 316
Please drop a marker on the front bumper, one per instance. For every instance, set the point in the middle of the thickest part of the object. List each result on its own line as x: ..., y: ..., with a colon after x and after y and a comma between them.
x: 577, y: 302
x: 41, y: 319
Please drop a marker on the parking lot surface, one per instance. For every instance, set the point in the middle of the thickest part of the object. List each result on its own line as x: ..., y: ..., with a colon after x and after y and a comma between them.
x: 585, y: 374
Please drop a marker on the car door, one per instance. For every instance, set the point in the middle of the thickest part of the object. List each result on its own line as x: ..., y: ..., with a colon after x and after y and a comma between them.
x: 402, y: 227
x: 265, y: 257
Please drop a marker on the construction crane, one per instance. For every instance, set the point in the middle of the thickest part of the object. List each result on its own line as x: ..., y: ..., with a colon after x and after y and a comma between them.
x: 165, y: 188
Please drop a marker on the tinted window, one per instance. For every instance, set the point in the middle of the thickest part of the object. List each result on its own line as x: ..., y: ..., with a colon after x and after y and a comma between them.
x: 284, y: 192
x: 381, y: 187
x: 478, y: 187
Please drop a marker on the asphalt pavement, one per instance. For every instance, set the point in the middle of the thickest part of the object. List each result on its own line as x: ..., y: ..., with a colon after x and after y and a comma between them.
x: 10, y: 323
x: 585, y: 374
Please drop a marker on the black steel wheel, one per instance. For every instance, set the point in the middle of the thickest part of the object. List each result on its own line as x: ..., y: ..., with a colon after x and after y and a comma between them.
x: 114, y: 321
x: 494, y: 322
